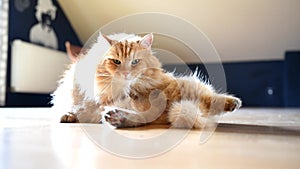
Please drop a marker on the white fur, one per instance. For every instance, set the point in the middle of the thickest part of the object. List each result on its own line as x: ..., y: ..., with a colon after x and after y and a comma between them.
x: 62, y: 97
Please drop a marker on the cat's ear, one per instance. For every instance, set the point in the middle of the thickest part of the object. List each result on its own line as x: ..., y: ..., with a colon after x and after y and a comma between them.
x: 111, y: 42
x: 147, y: 40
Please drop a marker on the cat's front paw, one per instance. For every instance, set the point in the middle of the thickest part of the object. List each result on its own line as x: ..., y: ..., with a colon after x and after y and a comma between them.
x: 115, y: 118
x: 133, y: 95
x: 69, y: 118
x: 232, y: 103
x: 123, y: 118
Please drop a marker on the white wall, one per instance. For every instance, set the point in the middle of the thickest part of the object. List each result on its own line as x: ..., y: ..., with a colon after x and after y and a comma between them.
x: 241, y: 30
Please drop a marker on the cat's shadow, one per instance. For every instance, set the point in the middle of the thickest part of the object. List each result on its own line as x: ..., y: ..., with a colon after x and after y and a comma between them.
x: 146, y: 127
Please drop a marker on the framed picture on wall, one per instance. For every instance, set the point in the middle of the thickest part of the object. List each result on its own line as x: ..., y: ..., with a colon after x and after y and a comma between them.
x: 29, y: 53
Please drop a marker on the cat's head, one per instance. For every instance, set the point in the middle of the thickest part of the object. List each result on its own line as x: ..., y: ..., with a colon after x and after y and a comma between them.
x: 126, y: 59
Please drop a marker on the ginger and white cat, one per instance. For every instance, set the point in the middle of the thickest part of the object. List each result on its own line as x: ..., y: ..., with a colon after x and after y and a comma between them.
x: 131, y: 89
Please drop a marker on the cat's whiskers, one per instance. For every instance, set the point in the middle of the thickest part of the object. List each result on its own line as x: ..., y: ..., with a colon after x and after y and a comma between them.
x: 103, y: 89
x: 104, y: 75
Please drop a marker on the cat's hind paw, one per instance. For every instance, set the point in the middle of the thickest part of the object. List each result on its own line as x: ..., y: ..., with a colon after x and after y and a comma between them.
x: 232, y: 103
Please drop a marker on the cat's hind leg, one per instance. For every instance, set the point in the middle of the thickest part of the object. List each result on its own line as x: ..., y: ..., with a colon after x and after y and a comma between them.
x: 214, y: 104
x: 186, y: 114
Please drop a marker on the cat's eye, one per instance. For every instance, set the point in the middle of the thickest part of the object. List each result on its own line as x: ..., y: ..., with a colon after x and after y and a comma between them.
x: 136, y: 61
x: 116, y: 61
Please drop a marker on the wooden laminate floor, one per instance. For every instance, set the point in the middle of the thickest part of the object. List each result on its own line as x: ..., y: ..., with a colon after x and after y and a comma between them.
x: 247, y: 138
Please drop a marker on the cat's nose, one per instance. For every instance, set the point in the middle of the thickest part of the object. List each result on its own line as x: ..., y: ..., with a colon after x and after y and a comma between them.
x: 125, y: 74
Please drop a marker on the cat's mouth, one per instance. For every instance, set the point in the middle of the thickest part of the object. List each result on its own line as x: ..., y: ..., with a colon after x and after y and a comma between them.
x: 124, y: 76
x: 127, y: 78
